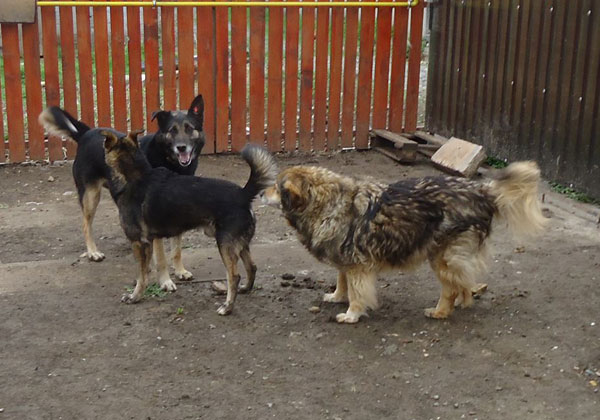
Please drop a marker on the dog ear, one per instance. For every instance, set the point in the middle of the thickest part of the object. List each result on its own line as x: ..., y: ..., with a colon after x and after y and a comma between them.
x: 163, y: 118
x: 291, y: 195
x: 133, y: 135
x: 110, y: 140
x: 196, y: 111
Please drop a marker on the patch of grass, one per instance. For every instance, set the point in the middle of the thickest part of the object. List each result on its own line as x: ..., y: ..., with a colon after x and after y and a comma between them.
x: 153, y: 290
x: 573, y: 194
x: 180, y: 311
x: 494, y: 162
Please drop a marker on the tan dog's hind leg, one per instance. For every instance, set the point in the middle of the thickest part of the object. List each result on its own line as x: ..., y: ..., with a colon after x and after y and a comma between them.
x: 250, y: 270
x: 362, y: 295
x: 164, y: 280
x: 143, y: 254
x: 340, y: 295
x: 180, y: 271
x: 89, y: 204
x: 230, y: 259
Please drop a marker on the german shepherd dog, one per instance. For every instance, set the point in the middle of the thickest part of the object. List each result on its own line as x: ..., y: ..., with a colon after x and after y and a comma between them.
x: 176, y: 146
x: 363, y: 227
x: 157, y: 203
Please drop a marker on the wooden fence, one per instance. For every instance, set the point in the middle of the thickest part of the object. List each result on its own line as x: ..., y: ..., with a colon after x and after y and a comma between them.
x: 521, y: 77
x: 294, y: 78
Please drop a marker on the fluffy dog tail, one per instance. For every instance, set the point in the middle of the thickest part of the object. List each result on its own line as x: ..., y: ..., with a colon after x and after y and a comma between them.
x: 263, y: 170
x: 60, y: 123
x: 515, y: 189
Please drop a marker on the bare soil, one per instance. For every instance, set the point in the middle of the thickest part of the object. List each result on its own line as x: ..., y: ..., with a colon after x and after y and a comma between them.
x: 69, y: 349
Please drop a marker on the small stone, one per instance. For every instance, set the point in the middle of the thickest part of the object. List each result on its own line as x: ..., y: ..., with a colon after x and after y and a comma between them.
x: 455, y: 405
x: 50, y: 178
x: 288, y: 276
x: 66, y: 193
x: 270, y: 405
x: 212, y: 326
x: 436, y: 397
x: 498, y: 388
x: 285, y: 284
x: 314, y: 309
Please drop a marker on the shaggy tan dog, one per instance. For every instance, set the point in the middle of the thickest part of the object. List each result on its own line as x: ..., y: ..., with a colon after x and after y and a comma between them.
x: 363, y: 227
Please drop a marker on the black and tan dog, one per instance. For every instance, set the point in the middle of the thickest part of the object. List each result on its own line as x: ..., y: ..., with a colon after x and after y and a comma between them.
x: 363, y: 228
x: 157, y: 203
x: 176, y: 146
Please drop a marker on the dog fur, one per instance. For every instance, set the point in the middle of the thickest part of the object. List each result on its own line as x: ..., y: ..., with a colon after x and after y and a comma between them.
x: 176, y: 146
x: 363, y: 228
x: 156, y: 203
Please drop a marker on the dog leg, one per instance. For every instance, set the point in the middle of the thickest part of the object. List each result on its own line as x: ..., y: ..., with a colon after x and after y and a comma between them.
x: 250, y: 270
x: 341, y: 290
x: 164, y: 280
x: 449, y: 293
x: 233, y: 278
x: 362, y: 295
x: 89, y: 204
x: 180, y: 272
x: 143, y: 254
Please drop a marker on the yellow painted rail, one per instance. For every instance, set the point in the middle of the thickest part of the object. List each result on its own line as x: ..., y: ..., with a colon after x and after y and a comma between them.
x: 156, y: 3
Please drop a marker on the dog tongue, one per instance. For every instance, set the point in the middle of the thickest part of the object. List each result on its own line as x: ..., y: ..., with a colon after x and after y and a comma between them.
x: 184, y: 158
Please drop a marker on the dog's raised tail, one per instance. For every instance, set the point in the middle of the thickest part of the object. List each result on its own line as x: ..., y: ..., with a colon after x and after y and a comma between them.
x: 263, y: 169
x: 516, y: 195
x: 60, y: 123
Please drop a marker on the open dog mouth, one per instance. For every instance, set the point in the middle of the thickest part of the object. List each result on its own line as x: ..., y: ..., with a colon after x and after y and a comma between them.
x: 184, y: 158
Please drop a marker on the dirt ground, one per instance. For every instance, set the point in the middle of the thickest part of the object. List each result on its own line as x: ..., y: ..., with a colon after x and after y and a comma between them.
x: 69, y: 349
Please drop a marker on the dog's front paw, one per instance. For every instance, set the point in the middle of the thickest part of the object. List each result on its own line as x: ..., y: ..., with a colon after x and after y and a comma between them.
x: 334, y: 298
x: 347, y: 318
x: 184, y: 275
x: 130, y: 298
x: 96, y: 256
x: 435, y: 313
x: 225, y: 309
x: 168, y: 285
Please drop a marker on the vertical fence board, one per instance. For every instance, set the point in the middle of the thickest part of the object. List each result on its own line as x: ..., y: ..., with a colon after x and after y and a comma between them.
x: 275, y: 91
x: 14, y: 93
x: 349, y: 86
x: 119, y: 88
x: 33, y: 86
x: 206, y: 72
x: 365, y: 76
x: 291, y: 77
x: 414, y: 66
x: 513, y: 36
x: 69, y: 76
x: 335, y: 81
x: 134, y: 47
x: 257, y: 75
x: 398, y: 69
x: 86, y: 74
x: 454, y: 74
x: 222, y: 75
x: 167, y: 20
x: 306, y: 79
x: 185, y: 56
x: 102, y: 67
x: 464, y: 70
x: 239, y: 28
x: 382, y: 67
x: 2, y: 146
x: 504, y: 11
x: 320, y: 107
x: 591, y: 96
x: 151, y: 72
x: 440, y: 34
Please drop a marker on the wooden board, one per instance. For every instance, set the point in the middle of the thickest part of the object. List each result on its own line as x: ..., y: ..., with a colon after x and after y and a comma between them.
x: 119, y: 87
x: 134, y: 48
x: 320, y: 107
x: 335, y: 81
x: 33, y: 86
x: 257, y: 75
x: 275, y: 90
x: 291, y: 77
x: 206, y: 74
x: 102, y: 67
x: 306, y: 78
x: 239, y: 54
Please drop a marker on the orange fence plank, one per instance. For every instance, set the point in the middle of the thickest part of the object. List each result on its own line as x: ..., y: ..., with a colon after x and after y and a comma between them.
x: 320, y: 107
x: 2, y: 146
x: 102, y: 67
x: 274, y: 125
x: 151, y: 69
x: 86, y: 78
x: 14, y: 93
x: 167, y: 20
x: 291, y: 77
x: 206, y: 72
x: 69, y: 77
x: 382, y: 67
x: 118, y: 68
x: 239, y: 27
x: 306, y: 80
x: 349, y: 76
x: 414, y: 66
x: 33, y: 86
x: 222, y: 76
x: 134, y: 48
x: 398, y: 69
x: 335, y: 81
x: 257, y: 75
x: 187, y: 82
x: 365, y: 71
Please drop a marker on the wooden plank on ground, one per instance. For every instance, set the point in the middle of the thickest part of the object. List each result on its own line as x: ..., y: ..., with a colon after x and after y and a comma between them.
x: 459, y: 156
x: 365, y: 72
x: 257, y: 75
x: 291, y: 77
x: 239, y: 54
x: 275, y: 90
x: 335, y: 80
x: 33, y: 86
x: 306, y: 79
x: 119, y: 88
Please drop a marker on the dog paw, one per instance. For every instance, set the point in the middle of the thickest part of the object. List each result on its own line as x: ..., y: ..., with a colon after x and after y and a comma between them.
x: 333, y: 298
x: 347, y: 318
x: 130, y: 298
x: 225, y: 309
x: 434, y: 313
x: 184, y: 275
x: 244, y: 289
x: 96, y: 256
x: 168, y: 285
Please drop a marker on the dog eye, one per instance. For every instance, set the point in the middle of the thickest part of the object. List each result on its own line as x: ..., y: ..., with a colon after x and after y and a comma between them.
x: 188, y: 129
x: 173, y: 129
